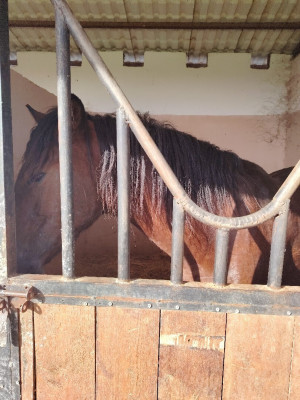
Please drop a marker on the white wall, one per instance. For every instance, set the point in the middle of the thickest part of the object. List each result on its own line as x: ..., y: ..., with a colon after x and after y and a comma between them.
x: 165, y: 86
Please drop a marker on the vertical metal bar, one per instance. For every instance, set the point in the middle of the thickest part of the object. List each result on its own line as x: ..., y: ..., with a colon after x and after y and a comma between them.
x: 221, y: 256
x: 7, y: 198
x: 65, y: 143
x: 123, y: 159
x: 177, y: 243
x: 278, y: 247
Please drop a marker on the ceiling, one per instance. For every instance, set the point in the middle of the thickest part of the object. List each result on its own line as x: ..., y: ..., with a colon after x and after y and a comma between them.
x: 196, y: 27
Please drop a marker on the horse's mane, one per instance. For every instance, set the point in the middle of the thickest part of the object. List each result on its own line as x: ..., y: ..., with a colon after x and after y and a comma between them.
x: 208, y: 174
x: 211, y: 177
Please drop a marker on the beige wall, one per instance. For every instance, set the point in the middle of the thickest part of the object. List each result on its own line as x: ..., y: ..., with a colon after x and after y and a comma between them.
x: 292, y: 149
x: 228, y: 103
x: 25, y: 92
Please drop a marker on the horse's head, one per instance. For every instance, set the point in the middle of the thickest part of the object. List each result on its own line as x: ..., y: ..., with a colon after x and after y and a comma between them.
x: 37, y: 187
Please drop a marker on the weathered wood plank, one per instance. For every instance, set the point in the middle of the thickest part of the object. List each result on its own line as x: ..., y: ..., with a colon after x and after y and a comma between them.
x: 65, y: 352
x: 127, y: 353
x: 9, y: 356
x: 5, y: 370
x: 257, y: 357
x: 295, y: 366
x: 27, y: 354
x: 191, y: 355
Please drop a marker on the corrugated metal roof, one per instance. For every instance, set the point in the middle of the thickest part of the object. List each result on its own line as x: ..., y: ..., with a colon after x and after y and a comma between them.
x: 192, y: 26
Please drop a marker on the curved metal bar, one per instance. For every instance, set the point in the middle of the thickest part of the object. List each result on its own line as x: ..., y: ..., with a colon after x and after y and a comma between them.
x: 163, y: 168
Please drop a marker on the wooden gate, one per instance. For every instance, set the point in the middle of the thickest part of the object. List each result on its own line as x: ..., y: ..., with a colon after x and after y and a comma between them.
x: 77, y: 352
x: 99, y: 339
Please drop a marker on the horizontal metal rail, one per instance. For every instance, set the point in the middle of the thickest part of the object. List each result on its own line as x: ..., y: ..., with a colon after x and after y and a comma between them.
x: 149, y: 146
x: 155, y: 294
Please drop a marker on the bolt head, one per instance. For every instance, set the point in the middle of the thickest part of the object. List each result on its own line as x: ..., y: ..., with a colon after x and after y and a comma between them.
x: 110, y: 303
x: 177, y: 307
x: 149, y: 305
x: 217, y: 309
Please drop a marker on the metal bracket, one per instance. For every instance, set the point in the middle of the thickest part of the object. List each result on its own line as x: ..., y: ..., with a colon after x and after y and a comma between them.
x: 16, y: 298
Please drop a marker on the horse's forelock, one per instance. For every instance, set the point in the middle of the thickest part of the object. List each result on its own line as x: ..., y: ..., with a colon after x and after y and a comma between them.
x: 43, y: 139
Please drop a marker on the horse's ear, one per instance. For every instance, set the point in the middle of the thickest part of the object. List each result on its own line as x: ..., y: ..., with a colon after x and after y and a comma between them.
x: 37, y: 115
x: 78, y: 114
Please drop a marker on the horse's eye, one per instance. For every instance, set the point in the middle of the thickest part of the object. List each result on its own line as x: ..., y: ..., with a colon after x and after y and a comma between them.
x: 36, y: 178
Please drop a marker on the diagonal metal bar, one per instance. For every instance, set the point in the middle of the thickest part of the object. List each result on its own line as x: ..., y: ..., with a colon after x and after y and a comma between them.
x: 270, y: 210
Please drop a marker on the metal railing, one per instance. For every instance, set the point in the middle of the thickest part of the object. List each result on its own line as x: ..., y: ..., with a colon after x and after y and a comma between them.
x: 279, y: 206
x: 182, y: 203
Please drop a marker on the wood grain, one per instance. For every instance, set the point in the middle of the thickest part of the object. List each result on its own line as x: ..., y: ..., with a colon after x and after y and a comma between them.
x: 257, y: 357
x: 191, y: 355
x: 65, y: 352
x: 27, y: 354
x: 127, y: 353
x: 295, y: 366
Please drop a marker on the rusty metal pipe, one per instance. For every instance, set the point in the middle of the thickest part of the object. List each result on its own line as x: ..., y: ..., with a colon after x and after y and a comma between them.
x: 267, y: 212
x: 177, y: 243
x: 221, y: 257
x: 278, y: 247
x: 123, y: 152
x: 7, y: 198
x: 65, y: 143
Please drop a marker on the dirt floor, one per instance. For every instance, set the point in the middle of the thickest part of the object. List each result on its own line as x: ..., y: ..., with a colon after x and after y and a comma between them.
x: 155, y: 267
x: 96, y: 254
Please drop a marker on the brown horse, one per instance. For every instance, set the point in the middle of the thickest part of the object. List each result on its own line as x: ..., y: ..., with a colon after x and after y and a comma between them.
x: 217, y: 180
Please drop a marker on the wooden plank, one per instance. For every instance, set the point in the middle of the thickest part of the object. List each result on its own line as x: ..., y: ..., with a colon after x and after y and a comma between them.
x: 65, y: 352
x: 127, y: 353
x: 257, y: 357
x: 27, y: 355
x: 191, y: 355
x: 295, y: 372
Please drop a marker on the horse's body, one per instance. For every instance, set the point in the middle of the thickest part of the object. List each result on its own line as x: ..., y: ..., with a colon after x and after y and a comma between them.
x: 218, y: 181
